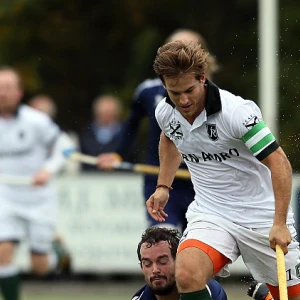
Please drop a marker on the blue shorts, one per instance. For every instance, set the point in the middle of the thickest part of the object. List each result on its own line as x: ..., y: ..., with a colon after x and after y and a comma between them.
x: 180, y: 199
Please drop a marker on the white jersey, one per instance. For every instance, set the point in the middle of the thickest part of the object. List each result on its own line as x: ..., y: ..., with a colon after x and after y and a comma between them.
x: 25, y: 144
x: 223, y: 149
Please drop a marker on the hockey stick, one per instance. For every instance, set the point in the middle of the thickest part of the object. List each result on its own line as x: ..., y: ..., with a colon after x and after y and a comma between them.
x: 138, y: 168
x: 281, y: 273
x: 15, y: 179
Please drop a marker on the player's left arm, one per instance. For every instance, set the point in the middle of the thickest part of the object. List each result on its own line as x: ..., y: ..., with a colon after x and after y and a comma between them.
x: 281, y: 173
x: 56, y: 159
x: 56, y: 141
x: 248, y: 125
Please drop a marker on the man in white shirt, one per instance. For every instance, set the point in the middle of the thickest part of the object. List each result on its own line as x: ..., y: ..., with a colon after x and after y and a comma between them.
x: 31, y: 146
x: 241, y: 177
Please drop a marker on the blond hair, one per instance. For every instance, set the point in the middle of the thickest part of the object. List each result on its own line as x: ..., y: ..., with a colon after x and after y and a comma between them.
x: 179, y: 58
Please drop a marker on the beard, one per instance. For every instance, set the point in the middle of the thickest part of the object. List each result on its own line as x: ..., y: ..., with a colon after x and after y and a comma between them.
x: 164, y: 290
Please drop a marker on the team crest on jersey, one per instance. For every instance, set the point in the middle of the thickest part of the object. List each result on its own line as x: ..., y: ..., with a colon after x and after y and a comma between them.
x: 251, y: 121
x: 176, y: 131
x: 212, y: 132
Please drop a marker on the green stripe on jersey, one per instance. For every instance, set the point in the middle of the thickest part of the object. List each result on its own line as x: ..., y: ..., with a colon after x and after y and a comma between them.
x: 258, y: 127
x: 258, y: 138
x: 263, y: 143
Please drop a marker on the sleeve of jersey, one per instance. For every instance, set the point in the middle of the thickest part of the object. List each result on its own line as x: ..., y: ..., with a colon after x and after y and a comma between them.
x: 49, y: 131
x: 56, y: 159
x: 260, y: 141
x: 160, y: 113
x: 249, y: 126
x: 53, y: 140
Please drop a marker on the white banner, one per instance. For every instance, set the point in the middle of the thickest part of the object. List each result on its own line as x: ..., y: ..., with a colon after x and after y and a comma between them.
x: 101, y: 219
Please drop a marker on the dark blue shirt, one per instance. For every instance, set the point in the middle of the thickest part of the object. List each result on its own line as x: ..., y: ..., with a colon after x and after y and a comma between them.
x: 147, y: 96
x: 217, y: 292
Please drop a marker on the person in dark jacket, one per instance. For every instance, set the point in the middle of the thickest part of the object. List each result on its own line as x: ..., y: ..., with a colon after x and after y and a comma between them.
x: 103, y: 134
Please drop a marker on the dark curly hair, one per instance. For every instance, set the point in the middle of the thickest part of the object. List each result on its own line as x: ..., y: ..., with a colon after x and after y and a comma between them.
x: 154, y: 234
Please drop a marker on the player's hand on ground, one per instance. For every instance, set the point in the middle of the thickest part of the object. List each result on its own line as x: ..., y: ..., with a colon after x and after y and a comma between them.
x: 41, y: 178
x: 107, y: 161
x: 280, y: 235
x: 156, y: 204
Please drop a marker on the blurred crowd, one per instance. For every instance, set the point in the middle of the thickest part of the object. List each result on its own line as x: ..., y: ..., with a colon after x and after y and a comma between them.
x: 102, y: 133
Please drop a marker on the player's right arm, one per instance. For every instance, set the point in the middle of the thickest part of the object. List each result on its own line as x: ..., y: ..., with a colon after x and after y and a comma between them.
x: 169, y: 161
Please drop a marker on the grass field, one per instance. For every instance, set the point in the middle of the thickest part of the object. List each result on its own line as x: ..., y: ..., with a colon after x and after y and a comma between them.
x: 236, y: 289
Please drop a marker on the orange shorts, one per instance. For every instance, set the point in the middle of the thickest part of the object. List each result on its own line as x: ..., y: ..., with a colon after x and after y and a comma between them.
x: 218, y: 259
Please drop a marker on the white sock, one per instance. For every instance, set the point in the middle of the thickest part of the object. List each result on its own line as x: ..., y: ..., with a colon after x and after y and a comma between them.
x: 53, y: 260
x: 8, y: 271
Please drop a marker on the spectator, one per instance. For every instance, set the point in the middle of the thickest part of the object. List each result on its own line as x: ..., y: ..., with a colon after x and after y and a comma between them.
x: 103, y: 134
x: 44, y: 103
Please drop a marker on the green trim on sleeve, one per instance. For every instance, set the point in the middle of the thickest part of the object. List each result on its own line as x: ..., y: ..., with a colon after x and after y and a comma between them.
x: 258, y: 127
x: 262, y: 143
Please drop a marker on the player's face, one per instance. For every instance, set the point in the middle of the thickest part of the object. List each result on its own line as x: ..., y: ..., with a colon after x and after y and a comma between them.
x: 43, y: 106
x: 188, y: 94
x: 10, y: 91
x: 107, y: 112
x: 158, y: 267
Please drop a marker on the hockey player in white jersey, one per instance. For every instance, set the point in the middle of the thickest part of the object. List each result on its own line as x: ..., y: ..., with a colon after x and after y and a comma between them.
x: 31, y: 147
x: 241, y: 177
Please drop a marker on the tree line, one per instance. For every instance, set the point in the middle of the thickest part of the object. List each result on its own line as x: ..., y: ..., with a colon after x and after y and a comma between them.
x: 75, y: 50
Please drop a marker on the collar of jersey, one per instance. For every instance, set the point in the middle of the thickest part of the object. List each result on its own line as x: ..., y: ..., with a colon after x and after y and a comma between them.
x: 213, y: 99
